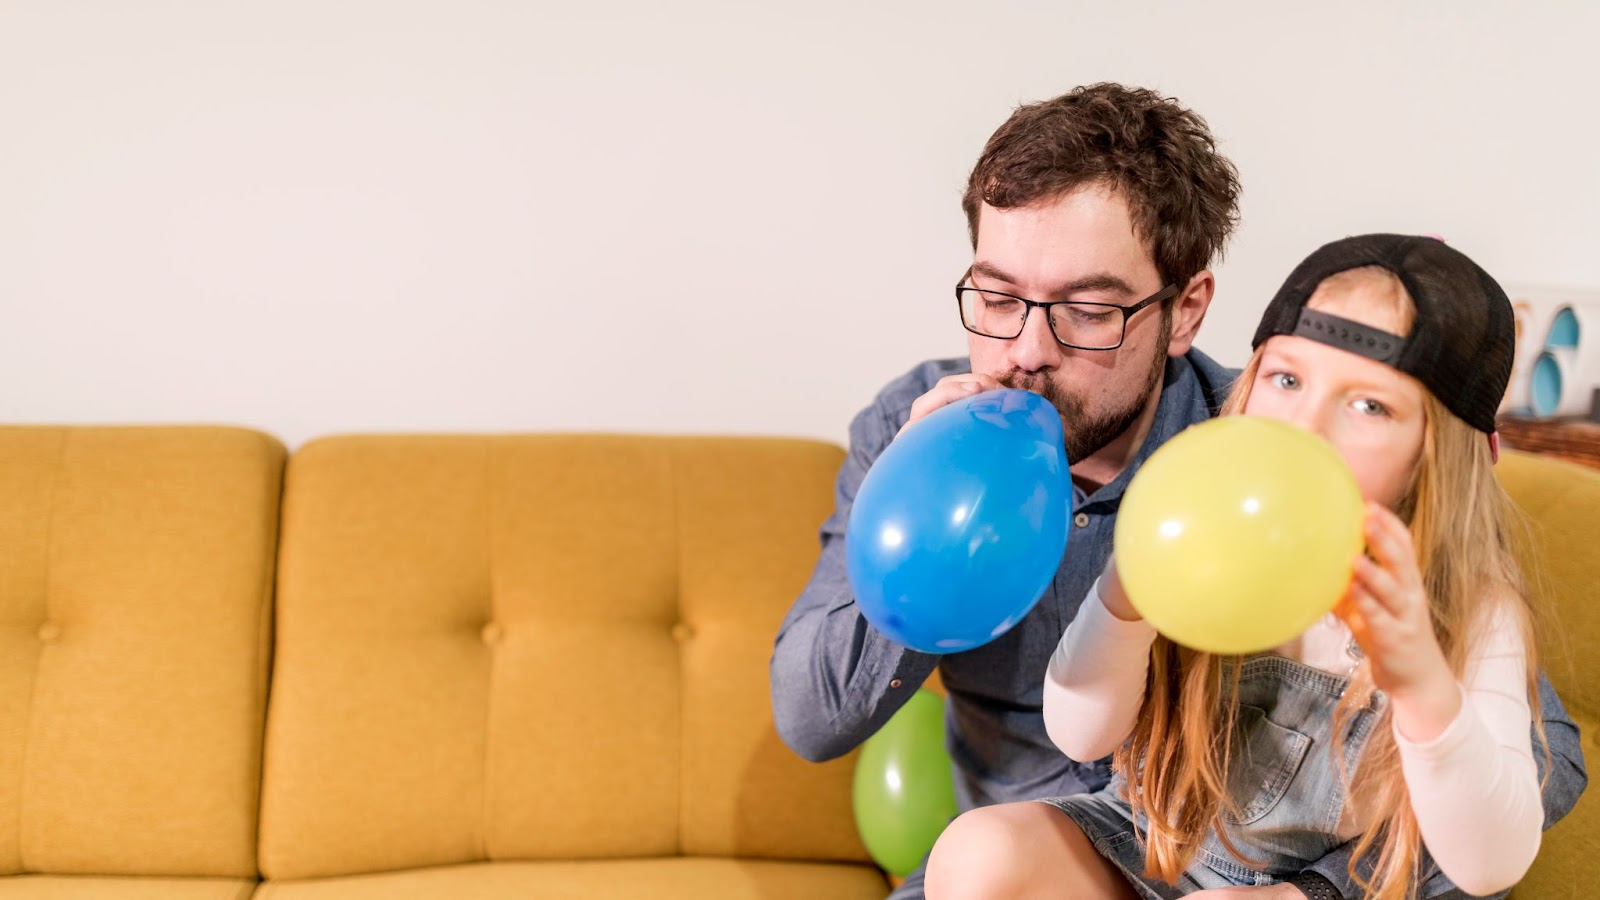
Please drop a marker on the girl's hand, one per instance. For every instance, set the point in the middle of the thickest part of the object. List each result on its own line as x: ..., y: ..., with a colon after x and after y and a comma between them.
x: 1387, y: 610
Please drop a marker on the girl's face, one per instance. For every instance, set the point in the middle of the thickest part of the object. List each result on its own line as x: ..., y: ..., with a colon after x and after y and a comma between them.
x: 1372, y: 414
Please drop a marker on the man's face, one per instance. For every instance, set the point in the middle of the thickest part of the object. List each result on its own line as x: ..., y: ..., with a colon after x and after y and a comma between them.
x: 1079, y: 246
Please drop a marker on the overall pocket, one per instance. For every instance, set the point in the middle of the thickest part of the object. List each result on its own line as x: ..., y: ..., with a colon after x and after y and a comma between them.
x: 1266, y: 756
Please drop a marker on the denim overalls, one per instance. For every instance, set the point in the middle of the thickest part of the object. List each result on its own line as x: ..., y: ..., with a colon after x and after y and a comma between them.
x: 1288, y: 787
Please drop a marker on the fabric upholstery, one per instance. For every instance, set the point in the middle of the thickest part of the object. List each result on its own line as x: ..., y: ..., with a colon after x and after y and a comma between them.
x: 684, y: 878
x: 55, y: 887
x: 1562, y: 502
x: 135, y: 600
x: 541, y: 648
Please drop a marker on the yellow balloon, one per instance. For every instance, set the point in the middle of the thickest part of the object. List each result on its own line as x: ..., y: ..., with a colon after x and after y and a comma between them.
x: 1239, y: 534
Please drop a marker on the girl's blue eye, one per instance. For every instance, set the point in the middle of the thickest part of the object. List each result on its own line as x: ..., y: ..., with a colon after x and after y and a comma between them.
x: 1371, y: 407
x: 1283, y: 381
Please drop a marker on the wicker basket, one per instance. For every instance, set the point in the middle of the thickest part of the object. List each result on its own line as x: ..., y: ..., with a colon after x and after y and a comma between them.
x: 1577, y: 440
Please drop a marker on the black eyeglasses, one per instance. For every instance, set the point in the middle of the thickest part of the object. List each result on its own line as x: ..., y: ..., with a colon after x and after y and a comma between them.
x: 1075, y: 324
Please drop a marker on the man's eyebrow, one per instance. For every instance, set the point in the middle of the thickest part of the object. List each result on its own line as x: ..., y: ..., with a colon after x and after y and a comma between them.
x: 990, y: 270
x: 1097, y: 281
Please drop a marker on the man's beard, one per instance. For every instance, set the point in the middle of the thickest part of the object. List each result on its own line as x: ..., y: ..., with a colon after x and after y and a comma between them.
x: 1087, y: 435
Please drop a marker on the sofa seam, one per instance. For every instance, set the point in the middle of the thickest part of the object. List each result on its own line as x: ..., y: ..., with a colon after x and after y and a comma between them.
x: 678, y: 646
x: 267, y: 620
x: 33, y: 688
x: 486, y: 801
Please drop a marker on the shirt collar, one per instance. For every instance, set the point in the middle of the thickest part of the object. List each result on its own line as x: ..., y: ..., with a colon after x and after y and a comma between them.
x: 1182, y: 403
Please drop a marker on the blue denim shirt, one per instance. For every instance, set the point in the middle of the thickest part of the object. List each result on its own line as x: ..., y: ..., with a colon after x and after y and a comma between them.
x: 835, y: 680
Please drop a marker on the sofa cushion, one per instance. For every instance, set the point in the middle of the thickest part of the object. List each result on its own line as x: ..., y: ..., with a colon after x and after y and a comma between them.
x: 52, y: 887
x: 1566, y: 860
x: 1563, y: 564
x: 541, y: 647
x: 135, y: 597
x: 1562, y: 502
x: 660, y: 879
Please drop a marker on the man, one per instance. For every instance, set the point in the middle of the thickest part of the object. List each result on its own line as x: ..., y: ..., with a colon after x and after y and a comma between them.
x: 1094, y: 218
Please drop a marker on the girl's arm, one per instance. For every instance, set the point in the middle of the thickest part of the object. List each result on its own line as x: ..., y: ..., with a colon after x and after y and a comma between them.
x: 1474, y: 787
x: 1465, y: 747
x: 1095, y: 683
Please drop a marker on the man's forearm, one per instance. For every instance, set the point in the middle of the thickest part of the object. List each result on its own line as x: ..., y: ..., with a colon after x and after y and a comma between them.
x: 835, y: 680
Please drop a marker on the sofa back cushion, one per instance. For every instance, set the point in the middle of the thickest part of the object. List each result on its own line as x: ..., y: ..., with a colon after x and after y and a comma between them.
x: 541, y: 647
x: 1562, y: 503
x: 135, y: 609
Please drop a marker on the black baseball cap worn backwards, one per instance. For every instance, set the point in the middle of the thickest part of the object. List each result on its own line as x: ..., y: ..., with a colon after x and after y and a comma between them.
x: 1464, y: 337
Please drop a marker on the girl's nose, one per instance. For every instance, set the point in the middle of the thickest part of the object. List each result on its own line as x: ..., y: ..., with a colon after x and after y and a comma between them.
x: 1313, y: 417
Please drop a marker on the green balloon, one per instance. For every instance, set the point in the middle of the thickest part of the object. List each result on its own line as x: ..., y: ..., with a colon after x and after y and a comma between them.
x: 904, y: 794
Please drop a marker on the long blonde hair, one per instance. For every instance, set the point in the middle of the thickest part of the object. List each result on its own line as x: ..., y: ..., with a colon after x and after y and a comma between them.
x: 1463, y: 525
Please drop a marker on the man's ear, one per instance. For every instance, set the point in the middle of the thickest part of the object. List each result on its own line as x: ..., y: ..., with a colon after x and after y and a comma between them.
x: 1189, y: 310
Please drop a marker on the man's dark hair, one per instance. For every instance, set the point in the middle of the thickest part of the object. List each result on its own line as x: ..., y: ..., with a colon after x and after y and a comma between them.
x: 1160, y: 157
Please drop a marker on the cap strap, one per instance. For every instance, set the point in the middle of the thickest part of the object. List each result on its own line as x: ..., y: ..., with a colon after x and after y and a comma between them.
x: 1352, y: 336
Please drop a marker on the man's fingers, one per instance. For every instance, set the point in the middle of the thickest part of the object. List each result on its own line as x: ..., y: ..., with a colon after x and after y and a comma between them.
x: 948, y: 390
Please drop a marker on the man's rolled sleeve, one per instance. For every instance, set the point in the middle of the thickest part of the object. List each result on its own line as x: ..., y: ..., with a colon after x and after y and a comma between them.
x: 835, y: 680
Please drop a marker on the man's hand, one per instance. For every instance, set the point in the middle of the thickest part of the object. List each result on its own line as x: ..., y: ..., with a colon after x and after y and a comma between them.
x: 949, y: 389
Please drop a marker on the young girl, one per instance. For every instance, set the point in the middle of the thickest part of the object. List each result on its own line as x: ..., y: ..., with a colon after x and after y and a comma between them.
x: 1399, y: 723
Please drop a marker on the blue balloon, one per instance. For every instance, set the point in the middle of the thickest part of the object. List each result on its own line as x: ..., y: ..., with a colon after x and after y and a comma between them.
x: 959, y: 526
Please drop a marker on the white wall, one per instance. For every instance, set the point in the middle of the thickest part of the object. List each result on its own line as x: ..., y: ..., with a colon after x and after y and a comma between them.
x: 312, y: 217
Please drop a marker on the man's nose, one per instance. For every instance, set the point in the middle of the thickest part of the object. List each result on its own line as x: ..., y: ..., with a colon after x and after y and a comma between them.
x: 1036, y: 347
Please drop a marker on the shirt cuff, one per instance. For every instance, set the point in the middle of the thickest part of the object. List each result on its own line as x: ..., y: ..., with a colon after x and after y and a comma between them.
x: 1103, y: 622
x: 1447, y: 742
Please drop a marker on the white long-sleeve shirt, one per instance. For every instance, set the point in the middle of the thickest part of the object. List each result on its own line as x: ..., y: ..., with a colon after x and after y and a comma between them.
x: 1474, y: 787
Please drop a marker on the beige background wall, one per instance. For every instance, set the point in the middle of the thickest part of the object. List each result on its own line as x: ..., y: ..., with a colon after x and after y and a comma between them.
x: 311, y: 217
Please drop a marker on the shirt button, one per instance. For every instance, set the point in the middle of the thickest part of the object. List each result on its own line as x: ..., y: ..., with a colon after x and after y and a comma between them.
x: 1081, y: 520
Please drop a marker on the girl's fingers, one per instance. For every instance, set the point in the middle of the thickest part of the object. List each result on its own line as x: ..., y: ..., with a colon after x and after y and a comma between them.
x: 1349, y: 611
x: 1381, y: 585
x: 1375, y: 630
x: 1389, y: 541
x: 1374, y: 614
x: 1381, y: 539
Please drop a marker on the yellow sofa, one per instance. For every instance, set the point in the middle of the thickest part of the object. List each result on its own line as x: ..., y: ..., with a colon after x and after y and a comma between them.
x: 509, y: 666
x: 465, y: 667
x: 1562, y: 503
